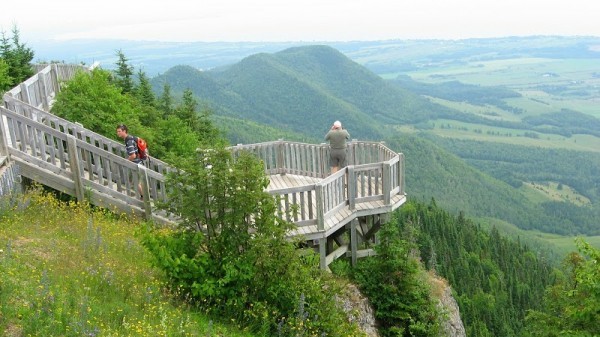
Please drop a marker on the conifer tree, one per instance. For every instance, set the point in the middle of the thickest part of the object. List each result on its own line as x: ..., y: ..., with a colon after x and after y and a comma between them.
x: 187, y: 110
x: 124, y: 73
x: 165, y: 101
x: 572, y: 304
x: 17, y: 56
x: 143, y: 89
x: 5, y: 79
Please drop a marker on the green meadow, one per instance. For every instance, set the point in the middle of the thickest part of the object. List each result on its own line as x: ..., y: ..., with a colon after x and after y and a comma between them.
x: 72, y: 270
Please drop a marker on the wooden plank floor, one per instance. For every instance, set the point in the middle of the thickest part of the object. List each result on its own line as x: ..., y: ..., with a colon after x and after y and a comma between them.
x: 279, y: 181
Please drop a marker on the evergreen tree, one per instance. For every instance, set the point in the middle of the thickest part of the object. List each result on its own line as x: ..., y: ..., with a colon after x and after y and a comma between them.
x: 165, y: 101
x: 143, y: 89
x: 186, y: 111
x: 572, y: 304
x: 496, y: 281
x: 5, y: 79
x: 397, y: 286
x: 17, y: 56
x: 124, y: 73
x: 198, y: 121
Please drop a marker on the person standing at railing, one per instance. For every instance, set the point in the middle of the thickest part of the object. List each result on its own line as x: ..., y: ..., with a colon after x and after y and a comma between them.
x: 131, y: 147
x: 337, y: 137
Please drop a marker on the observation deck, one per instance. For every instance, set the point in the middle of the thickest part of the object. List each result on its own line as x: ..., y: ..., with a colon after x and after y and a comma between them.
x: 337, y: 213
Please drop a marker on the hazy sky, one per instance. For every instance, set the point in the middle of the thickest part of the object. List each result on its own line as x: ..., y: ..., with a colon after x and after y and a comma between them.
x: 292, y: 20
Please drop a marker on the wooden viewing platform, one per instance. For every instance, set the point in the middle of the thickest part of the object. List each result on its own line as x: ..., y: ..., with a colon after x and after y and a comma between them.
x: 337, y: 214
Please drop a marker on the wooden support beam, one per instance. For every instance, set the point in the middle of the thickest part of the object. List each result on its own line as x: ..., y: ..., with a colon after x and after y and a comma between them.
x: 341, y: 251
x: 329, y: 244
x: 364, y: 253
x: 374, y: 229
x: 339, y: 239
x: 323, y: 252
x: 353, y: 241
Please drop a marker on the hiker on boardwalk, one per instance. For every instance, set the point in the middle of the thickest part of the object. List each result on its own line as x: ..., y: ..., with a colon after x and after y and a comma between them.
x: 130, y: 144
x: 131, y: 147
x: 337, y: 137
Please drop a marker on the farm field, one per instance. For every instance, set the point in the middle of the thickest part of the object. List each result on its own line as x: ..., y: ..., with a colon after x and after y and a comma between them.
x: 547, y: 86
x: 556, y: 83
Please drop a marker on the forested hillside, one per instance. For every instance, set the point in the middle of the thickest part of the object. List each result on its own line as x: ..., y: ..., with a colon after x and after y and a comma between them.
x: 431, y: 172
x: 496, y: 280
x: 304, y: 90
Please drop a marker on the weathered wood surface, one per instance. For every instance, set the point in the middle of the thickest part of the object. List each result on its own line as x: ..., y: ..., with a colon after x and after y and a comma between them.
x: 72, y: 159
x: 372, y: 183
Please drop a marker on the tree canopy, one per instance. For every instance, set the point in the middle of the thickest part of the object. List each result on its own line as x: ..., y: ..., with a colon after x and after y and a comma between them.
x: 15, y: 60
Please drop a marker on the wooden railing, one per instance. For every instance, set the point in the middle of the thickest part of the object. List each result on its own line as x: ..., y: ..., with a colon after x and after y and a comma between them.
x: 66, y: 156
x: 78, y: 131
x: 72, y: 165
x: 374, y: 172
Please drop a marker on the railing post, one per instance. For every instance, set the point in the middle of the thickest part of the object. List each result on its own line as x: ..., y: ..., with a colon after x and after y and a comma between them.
x: 351, y: 188
x: 43, y: 92
x: 24, y: 93
x: 143, y: 179
x: 75, y: 167
x: 54, y: 78
x: 3, y: 137
x: 320, y: 210
x: 352, y: 152
x: 280, y: 157
x: 401, y: 173
x: 324, y: 156
x: 387, y: 182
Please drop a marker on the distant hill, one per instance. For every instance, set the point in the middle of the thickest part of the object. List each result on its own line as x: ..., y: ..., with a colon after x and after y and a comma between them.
x: 304, y: 90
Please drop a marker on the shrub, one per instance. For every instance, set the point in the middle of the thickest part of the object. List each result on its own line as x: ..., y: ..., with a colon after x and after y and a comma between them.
x: 231, y: 255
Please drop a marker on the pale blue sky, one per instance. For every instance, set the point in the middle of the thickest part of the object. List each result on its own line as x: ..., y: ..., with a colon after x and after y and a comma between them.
x: 305, y: 20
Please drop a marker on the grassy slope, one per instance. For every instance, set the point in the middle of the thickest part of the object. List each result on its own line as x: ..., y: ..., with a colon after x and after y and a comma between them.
x: 66, y: 270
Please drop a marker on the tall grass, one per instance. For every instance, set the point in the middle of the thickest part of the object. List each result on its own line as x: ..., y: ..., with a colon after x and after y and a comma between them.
x: 68, y: 269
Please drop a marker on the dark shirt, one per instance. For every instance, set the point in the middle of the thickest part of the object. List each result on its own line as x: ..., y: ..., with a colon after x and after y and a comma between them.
x: 132, y: 148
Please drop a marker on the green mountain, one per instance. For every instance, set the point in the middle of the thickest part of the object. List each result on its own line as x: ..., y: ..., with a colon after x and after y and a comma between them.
x: 297, y: 93
x: 304, y: 90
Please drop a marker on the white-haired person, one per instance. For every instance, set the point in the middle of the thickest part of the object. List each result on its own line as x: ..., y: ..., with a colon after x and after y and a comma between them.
x: 337, y: 137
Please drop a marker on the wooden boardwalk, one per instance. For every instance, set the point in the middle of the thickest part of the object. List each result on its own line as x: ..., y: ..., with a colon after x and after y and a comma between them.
x: 327, y: 209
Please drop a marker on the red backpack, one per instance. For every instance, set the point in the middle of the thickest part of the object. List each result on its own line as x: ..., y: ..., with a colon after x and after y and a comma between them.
x: 142, y: 146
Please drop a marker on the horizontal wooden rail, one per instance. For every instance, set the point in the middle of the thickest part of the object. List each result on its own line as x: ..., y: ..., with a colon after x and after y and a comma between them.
x: 374, y: 173
x: 74, y: 166
x: 66, y: 156
x: 77, y: 130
